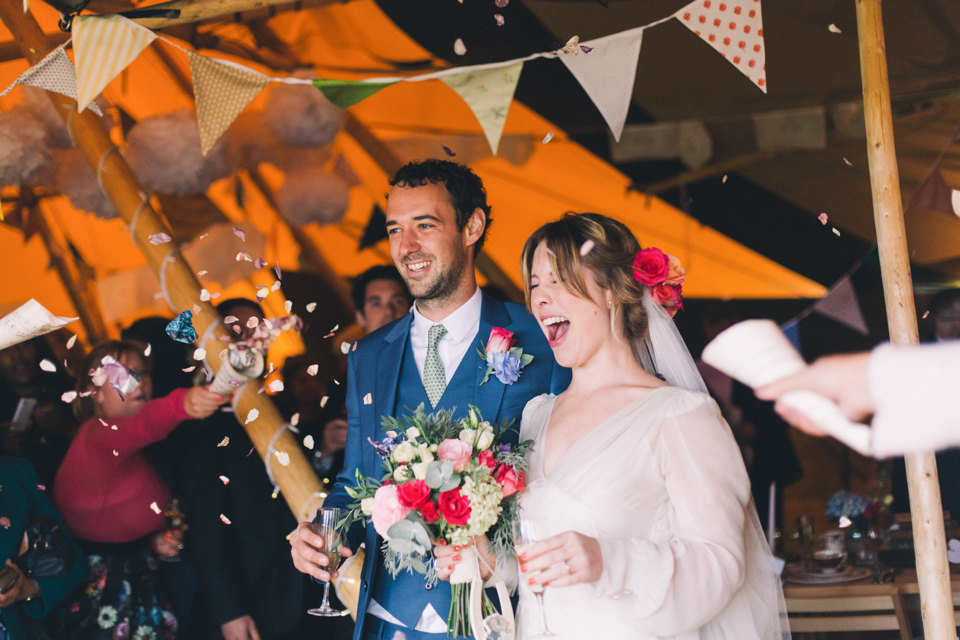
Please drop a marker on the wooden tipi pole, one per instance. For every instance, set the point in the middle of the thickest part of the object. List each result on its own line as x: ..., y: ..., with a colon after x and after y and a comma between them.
x: 296, y: 480
x: 933, y: 573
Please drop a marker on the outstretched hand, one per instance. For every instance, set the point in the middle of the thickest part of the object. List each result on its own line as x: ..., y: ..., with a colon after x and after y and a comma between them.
x: 305, y: 548
x: 448, y: 556
x: 563, y: 560
x: 200, y: 402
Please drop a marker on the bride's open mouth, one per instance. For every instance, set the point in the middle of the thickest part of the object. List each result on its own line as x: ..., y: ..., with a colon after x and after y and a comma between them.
x: 556, y: 328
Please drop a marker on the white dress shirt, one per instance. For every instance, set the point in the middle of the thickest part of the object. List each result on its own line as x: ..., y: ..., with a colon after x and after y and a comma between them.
x: 461, y: 325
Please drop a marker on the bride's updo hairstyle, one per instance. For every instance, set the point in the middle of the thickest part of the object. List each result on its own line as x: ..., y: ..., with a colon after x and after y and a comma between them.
x: 610, y: 260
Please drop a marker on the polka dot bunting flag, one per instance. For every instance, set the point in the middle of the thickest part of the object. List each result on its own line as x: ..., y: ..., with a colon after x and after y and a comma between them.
x: 735, y: 29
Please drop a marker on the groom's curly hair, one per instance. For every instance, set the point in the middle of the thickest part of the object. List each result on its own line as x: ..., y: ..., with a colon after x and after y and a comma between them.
x: 610, y: 260
x: 464, y: 187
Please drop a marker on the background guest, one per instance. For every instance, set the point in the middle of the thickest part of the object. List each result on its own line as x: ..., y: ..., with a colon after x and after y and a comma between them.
x: 380, y: 296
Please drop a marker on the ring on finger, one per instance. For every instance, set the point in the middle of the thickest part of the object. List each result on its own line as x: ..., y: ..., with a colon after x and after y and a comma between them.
x: 565, y: 567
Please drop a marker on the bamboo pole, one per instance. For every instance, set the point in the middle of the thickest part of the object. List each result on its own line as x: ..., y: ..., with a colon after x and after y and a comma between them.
x: 933, y: 573
x: 297, y: 481
x: 200, y: 10
x: 390, y: 164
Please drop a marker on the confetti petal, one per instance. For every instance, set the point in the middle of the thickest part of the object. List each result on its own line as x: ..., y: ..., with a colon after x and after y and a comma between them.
x: 204, y: 295
x: 259, y: 263
x: 295, y: 419
x: 925, y: 314
x: 585, y: 48
x: 283, y: 458
x: 72, y: 341
x: 834, y: 28
x: 202, y: 273
x: 46, y: 365
x: 312, y: 369
x: 252, y: 322
x: 224, y: 442
x: 116, y: 453
x: 572, y: 47
x: 724, y: 181
x: 159, y: 238
x: 368, y: 399
x: 586, y: 247
x: 459, y: 48
x: 501, y: 3
x: 276, y: 270
x: 230, y: 319
x: 262, y: 293
x: 237, y: 231
x: 224, y: 519
x: 275, y: 286
x: 68, y: 396
x: 276, y: 386
x: 200, y: 354
x: 344, y: 348
x: 823, y: 218
x: 146, y: 352
x: 836, y: 231
x: 311, y: 306
x: 251, y: 416
x: 156, y: 509
x: 189, y: 369
x: 196, y: 308
x: 499, y: 19
x: 547, y: 138
x: 308, y: 442
x: 323, y: 401
x: 288, y: 306
x: 849, y: 164
x: 447, y: 150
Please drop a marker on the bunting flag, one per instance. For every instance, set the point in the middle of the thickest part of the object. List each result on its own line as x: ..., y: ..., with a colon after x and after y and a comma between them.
x: 346, y: 93
x: 735, y: 29
x: 488, y: 92
x: 935, y: 194
x: 55, y: 73
x: 221, y: 91
x: 103, y: 47
x: 606, y: 69
x: 841, y: 304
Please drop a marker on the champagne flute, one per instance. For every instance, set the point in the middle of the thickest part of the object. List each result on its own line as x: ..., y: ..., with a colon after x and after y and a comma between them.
x: 526, y: 533
x: 326, y: 527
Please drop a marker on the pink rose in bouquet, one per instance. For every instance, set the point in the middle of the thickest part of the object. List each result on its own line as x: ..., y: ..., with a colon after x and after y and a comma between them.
x: 386, y: 509
x: 668, y: 296
x: 500, y: 340
x: 456, y: 451
x: 485, y: 457
x: 511, y: 481
x: 651, y: 266
x: 677, y: 272
x: 412, y: 495
x: 454, y: 506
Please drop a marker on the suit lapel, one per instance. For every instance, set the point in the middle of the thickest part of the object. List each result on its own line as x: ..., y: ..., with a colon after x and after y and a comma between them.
x: 387, y: 374
x: 487, y: 397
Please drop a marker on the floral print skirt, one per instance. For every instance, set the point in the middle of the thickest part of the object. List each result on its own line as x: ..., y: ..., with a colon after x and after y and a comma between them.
x: 122, y: 599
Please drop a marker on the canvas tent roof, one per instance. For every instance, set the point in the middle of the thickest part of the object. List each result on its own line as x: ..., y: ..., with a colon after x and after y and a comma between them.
x: 414, y: 120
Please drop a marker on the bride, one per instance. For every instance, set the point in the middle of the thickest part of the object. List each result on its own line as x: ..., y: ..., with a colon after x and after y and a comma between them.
x: 637, y: 482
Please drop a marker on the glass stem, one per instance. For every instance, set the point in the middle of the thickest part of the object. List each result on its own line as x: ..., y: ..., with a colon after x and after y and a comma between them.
x: 543, y: 616
x: 326, y: 596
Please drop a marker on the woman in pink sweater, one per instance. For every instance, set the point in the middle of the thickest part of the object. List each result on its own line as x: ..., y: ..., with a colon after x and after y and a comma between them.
x: 113, y: 499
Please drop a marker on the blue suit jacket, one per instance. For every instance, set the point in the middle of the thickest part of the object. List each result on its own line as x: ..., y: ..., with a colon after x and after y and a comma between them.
x: 374, y: 367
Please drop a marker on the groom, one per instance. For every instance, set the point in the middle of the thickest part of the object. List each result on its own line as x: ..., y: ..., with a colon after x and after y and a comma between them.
x: 437, y: 219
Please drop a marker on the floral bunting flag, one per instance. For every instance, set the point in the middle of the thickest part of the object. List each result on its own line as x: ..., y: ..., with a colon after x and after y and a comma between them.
x: 841, y: 304
x: 55, y: 73
x: 735, y: 29
x: 488, y: 92
x: 346, y: 93
x: 606, y: 69
x: 103, y: 47
x: 221, y: 91
x: 934, y: 194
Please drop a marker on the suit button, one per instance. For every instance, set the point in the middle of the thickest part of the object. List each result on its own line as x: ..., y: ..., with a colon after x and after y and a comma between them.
x: 364, y: 585
x: 428, y: 586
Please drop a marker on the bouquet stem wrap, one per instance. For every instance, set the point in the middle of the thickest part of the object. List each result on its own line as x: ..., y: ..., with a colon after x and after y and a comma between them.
x: 238, y: 367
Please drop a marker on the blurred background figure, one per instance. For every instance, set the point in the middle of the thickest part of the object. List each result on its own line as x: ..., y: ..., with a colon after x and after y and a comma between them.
x: 380, y: 296
x: 44, y: 424
x: 944, y: 316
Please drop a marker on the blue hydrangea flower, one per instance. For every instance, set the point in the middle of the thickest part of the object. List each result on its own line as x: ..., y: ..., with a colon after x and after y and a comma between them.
x: 506, y: 366
x: 846, y: 503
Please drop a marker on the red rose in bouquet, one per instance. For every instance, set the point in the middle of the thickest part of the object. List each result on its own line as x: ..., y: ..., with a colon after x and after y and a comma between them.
x: 511, y: 481
x: 429, y: 511
x: 454, y: 506
x: 413, y: 494
x: 651, y: 266
x: 486, y: 458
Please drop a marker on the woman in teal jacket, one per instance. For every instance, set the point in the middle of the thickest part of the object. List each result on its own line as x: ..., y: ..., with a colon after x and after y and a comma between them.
x: 20, y: 498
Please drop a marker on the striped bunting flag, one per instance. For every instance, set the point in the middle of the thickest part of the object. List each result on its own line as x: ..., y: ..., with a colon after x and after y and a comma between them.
x: 103, y: 47
x: 221, y: 91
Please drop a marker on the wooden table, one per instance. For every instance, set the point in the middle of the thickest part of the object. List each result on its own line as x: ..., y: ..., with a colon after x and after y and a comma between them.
x: 860, y: 606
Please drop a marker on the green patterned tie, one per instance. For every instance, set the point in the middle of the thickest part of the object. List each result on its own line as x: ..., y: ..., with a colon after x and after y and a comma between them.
x: 434, y: 377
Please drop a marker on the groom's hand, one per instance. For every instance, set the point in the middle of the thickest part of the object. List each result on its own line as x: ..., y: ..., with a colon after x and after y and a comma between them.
x: 563, y: 560
x: 306, y: 547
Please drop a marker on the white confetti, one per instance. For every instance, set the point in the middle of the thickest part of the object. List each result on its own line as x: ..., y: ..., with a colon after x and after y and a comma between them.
x: 312, y: 369
x: 224, y: 519
x: 925, y: 314
x: 459, y: 48
x: 849, y: 164
x: 262, y: 293
x: 547, y: 138
x: 224, y: 442
x: 282, y: 457
x: 836, y: 231
x: 114, y: 427
x: 251, y: 416
x: 69, y: 396
x: 295, y: 419
x: 368, y: 399
x: 252, y: 322
x: 146, y: 352
x: 188, y: 369
x: 224, y: 479
x: 276, y: 386
x: 244, y: 256
x: 586, y: 247
x: 288, y: 306
x: 196, y: 309
x: 200, y: 354
x: 46, y: 365
x: 323, y: 401
x: 259, y: 263
x: 116, y: 453
x: 834, y: 28
x: 156, y: 509
x: 308, y: 442
x: 230, y: 319
x: 724, y: 181
x: 72, y: 341
x: 202, y: 273
x: 159, y: 238
x: 572, y: 47
x: 275, y: 286
x: 204, y: 295
x: 344, y: 348
x: 237, y: 231
x: 311, y: 306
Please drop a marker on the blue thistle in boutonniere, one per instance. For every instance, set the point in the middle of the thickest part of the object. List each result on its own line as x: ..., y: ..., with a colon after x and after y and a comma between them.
x: 503, y: 359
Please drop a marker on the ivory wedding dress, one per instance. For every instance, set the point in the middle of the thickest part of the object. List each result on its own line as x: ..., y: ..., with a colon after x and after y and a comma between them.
x: 662, y: 486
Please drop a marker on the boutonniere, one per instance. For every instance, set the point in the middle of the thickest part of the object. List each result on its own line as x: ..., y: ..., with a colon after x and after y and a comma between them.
x: 503, y: 359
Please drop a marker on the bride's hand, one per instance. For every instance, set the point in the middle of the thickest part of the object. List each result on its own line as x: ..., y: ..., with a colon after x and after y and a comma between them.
x: 448, y: 557
x: 563, y: 560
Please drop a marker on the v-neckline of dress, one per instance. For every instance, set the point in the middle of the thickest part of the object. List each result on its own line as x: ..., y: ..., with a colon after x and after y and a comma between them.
x: 546, y: 426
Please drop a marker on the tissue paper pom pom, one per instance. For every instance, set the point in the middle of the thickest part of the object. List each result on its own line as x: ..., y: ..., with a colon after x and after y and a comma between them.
x: 251, y: 143
x: 313, y: 195
x: 299, y: 116
x: 77, y: 180
x: 23, y: 148
x: 164, y: 153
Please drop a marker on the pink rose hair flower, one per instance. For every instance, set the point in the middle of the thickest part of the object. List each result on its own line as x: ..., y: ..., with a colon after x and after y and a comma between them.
x: 677, y: 272
x: 651, y: 266
x: 668, y: 296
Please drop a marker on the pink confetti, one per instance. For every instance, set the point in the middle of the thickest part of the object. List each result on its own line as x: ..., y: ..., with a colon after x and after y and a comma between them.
x: 501, y: 3
x: 547, y: 138
x: 159, y: 238
x: 41, y: 487
x: 230, y: 319
x: 224, y: 519
x: 586, y: 247
x: 585, y: 48
x: 312, y: 369
x: 237, y: 231
x: 499, y: 19
x: 459, y: 48
x: 823, y: 218
x: 311, y: 306
x: 259, y: 263
x: 276, y: 270
x: 224, y: 479
x: 68, y: 396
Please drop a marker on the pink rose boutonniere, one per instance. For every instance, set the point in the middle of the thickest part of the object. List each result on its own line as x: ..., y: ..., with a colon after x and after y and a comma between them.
x: 664, y: 276
x: 503, y: 358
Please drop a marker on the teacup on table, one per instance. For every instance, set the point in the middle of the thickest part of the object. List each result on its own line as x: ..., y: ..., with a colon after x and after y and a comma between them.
x: 828, y: 560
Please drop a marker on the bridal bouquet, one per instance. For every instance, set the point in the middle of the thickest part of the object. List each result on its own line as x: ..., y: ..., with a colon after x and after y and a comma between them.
x: 444, y: 479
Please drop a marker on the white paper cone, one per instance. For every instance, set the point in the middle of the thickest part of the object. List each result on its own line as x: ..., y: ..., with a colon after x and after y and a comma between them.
x: 27, y: 321
x: 468, y: 567
x: 233, y: 371
x: 755, y: 352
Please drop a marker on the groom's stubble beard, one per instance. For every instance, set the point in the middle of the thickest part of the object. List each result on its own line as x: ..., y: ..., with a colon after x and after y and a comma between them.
x: 444, y: 284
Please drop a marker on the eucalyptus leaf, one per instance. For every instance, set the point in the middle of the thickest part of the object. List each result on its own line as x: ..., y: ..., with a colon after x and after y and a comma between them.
x: 450, y: 483
x: 438, y: 472
x: 526, y: 359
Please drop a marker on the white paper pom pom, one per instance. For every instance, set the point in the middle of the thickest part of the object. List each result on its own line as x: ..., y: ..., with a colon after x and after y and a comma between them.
x: 23, y: 147
x: 313, y: 195
x: 78, y: 181
x: 164, y: 153
x: 299, y: 116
